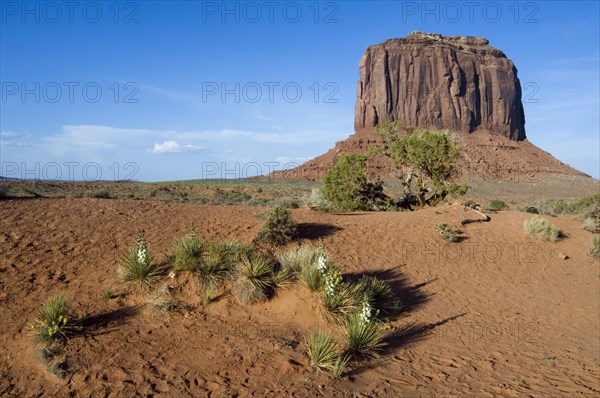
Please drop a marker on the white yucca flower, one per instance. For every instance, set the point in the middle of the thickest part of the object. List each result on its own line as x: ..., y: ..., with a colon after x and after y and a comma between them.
x: 366, y: 312
x: 322, y: 264
x: 142, y: 248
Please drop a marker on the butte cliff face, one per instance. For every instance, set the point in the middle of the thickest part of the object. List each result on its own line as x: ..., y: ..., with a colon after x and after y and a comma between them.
x: 457, y: 83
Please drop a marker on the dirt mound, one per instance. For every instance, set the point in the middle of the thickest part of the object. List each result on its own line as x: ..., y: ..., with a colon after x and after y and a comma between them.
x: 482, y: 155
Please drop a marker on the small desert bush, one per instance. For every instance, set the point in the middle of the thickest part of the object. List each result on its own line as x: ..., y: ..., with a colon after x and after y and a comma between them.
x: 542, y: 229
x: 51, y: 362
x: 278, y: 228
x: 52, y: 321
x: 451, y: 235
x: 297, y: 258
x: 254, y: 279
x: 316, y: 200
x: 163, y: 301
x: 497, y: 205
x: 560, y: 206
x: 325, y: 353
x: 594, y: 251
x: 138, y: 270
x: 364, y: 337
x: 591, y: 224
x: 100, y: 194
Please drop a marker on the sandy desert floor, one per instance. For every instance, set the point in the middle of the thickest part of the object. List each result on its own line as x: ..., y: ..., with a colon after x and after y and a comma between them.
x: 498, y: 314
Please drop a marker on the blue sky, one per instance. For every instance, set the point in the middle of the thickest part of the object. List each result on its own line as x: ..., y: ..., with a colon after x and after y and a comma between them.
x: 181, y: 90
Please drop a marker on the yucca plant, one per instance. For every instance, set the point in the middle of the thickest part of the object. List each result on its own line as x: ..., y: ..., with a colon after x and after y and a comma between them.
x: 338, y: 297
x: 187, y: 253
x: 312, y: 278
x: 313, y: 274
x: 213, y: 269
x: 339, y: 304
x: 254, y: 279
x: 324, y: 352
x: 137, y: 269
x: 52, y: 321
x: 235, y: 252
x: 377, y: 293
x: 364, y: 337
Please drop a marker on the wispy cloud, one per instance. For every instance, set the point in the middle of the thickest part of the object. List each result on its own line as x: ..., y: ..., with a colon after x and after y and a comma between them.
x: 174, y: 147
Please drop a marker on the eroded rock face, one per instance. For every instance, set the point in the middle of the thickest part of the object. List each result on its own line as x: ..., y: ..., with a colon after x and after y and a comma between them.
x: 458, y: 83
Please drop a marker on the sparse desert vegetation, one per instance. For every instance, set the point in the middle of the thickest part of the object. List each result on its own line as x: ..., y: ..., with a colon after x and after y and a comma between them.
x: 540, y: 228
x: 358, y: 312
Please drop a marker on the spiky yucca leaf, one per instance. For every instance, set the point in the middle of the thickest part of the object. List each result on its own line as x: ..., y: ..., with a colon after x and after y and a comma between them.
x: 339, y: 304
x: 52, y: 320
x: 187, y: 253
x: 378, y: 294
x: 364, y: 339
x: 254, y: 279
x: 323, y: 350
x: 139, y: 276
x: 312, y: 278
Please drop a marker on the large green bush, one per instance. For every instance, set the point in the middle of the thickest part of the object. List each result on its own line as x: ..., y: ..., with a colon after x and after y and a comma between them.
x: 346, y: 188
x: 429, y: 161
x: 343, y: 184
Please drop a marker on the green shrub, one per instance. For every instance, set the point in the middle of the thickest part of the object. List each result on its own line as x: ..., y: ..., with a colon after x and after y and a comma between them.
x: 430, y: 160
x: 344, y: 182
x: 542, y: 229
x: 100, y: 194
x: 451, y: 235
x: 497, y: 205
x: 316, y: 200
x: 254, y: 280
x: 325, y: 353
x: 137, y: 269
x: 595, y: 249
x: 52, y: 321
x: 364, y: 338
x: 279, y: 227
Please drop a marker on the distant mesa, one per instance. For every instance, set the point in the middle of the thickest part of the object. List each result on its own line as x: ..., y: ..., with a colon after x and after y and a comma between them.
x: 456, y: 83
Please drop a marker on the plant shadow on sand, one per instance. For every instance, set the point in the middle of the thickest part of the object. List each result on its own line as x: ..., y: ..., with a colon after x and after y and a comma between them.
x: 411, y: 298
x: 105, y: 322
x: 314, y: 230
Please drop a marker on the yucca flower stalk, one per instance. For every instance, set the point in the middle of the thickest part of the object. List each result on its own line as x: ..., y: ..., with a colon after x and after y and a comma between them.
x: 141, y: 247
x: 333, y: 278
x: 366, y: 313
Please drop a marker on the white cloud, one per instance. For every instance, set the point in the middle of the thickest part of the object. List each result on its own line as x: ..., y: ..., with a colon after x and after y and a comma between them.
x: 173, y: 147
